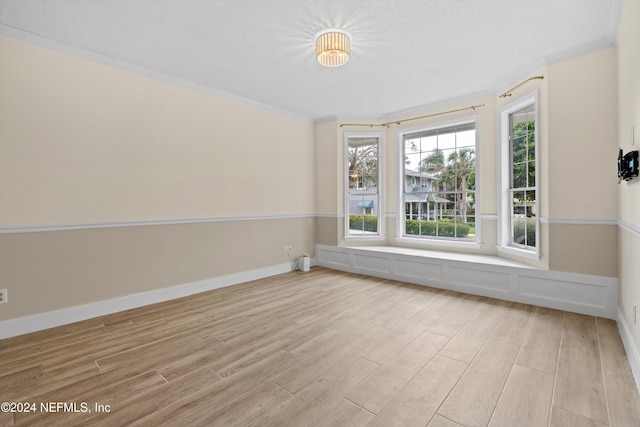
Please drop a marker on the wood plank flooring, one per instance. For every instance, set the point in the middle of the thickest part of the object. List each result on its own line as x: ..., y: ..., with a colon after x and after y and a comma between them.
x: 325, y: 348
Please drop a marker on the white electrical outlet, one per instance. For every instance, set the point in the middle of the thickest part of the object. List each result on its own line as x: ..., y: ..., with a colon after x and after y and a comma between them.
x: 3, y: 296
x: 288, y: 249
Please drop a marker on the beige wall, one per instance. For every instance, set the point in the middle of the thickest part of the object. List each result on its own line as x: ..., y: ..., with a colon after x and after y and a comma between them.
x: 82, y: 142
x: 629, y: 105
x: 327, y: 183
x: 581, y: 179
x: 629, y: 192
x: 46, y: 271
x: 584, y: 248
x: 583, y: 137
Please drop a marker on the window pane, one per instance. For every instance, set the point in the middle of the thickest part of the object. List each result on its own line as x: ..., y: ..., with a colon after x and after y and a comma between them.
x: 353, y: 179
x: 532, y: 174
x: 519, y: 151
x: 439, y: 192
x: 471, y: 224
x: 519, y: 230
x: 530, y: 198
x: 530, y: 203
x: 370, y: 181
x: 466, y: 139
x: 519, y: 176
x: 411, y: 146
x: 523, y: 220
x: 518, y: 223
x: 531, y: 147
x: 429, y: 143
x: 432, y: 162
x: 471, y: 178
x: 446, y: 141
x: 429, y: 228
x: 531, y: 124
x: 518, y: 203
x: 531, y: 232
x: 463, y: 175
x: 363, y: 203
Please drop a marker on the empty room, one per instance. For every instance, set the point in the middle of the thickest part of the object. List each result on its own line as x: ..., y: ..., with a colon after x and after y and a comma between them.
x: 319, y: 213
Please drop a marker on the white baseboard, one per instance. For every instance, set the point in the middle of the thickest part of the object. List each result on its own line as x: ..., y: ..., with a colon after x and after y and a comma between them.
x: 630, y: 347
x: 488, y: 276
x: 24, y: 325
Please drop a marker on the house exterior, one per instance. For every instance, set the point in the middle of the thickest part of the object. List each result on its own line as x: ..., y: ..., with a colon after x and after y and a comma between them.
x: 420, y: 202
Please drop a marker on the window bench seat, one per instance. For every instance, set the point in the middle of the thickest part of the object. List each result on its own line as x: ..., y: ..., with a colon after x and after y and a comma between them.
x: 484, y: 275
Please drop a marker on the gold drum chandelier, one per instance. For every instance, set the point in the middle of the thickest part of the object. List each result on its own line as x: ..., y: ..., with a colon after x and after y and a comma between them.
x: 333, y: 48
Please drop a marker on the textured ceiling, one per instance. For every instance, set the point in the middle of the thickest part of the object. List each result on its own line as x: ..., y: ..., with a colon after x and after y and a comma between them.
x: 405, y: 53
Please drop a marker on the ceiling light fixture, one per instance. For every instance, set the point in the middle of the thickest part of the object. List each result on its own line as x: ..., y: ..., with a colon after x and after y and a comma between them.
x: 333, y: 48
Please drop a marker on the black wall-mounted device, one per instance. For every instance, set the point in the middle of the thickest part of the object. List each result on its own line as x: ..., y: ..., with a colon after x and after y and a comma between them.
x: 627, y: 165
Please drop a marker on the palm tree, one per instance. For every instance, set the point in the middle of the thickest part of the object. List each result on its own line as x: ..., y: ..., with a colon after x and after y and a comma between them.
x: 461, y: 163
x: 433, y: 163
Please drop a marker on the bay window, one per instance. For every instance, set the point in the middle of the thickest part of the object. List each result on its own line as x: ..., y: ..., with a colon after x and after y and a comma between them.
x: 438, y: 180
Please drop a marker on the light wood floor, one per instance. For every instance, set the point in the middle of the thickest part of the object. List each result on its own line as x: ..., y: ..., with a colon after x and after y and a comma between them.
x: 325, y: 348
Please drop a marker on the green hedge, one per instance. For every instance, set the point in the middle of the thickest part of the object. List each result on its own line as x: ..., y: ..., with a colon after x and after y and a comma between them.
x: 370, y: 222
x: 445, y: 228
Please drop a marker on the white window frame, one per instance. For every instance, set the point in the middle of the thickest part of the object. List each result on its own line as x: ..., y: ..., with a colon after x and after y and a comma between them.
x: 379, y: 235
x: 427, y: 241
x: 504, y: 179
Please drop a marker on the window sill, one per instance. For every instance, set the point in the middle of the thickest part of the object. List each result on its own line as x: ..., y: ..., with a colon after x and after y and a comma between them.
x: 364, y: 238
x: 522, y: 253
x: 441, y: 256
x: 427, y: 243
